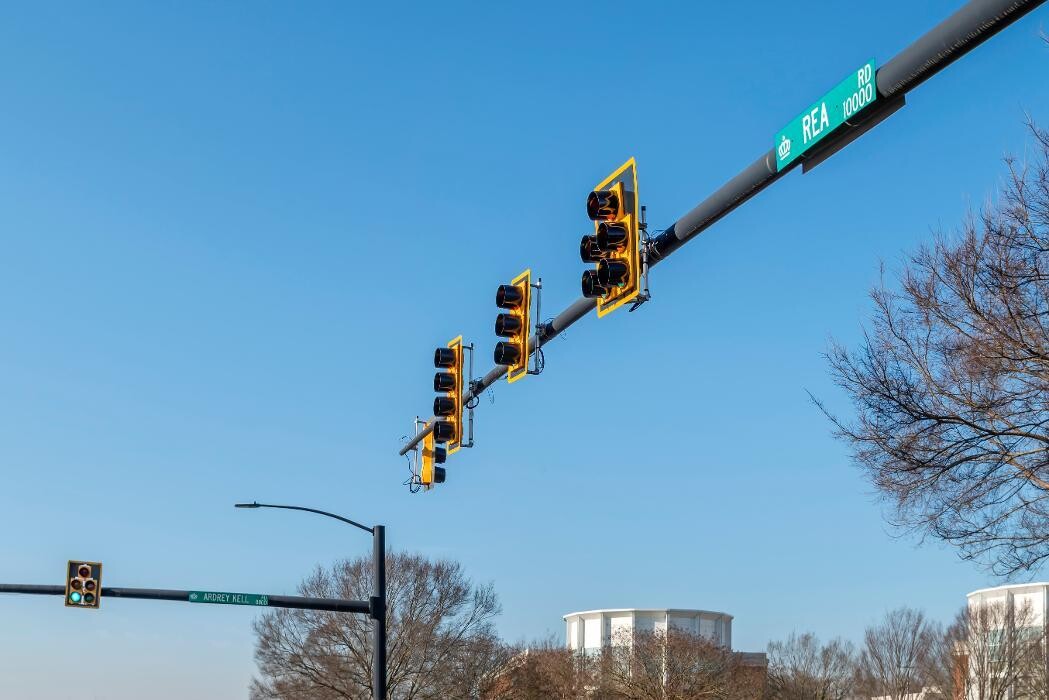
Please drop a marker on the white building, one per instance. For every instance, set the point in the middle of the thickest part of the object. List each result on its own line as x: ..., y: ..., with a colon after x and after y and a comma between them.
x: 590, y: 630
x: 1016, y: 597
x: 1019, y: 610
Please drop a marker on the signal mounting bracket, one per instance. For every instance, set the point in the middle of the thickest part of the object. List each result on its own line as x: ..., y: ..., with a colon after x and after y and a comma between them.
x: 472, y: 403
x: 414, y: 482
x: 538, y: 361
x: 646, y: 249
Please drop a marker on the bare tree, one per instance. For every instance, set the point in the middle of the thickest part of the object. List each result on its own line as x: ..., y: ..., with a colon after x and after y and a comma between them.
x: 997, y: 652
x: 943, y: 669
x: 544, y: 670
x: 439, y: 627
x: 895, y: 654
x: 800, y: 668
x: 950, y: 382
x: 674, y: 665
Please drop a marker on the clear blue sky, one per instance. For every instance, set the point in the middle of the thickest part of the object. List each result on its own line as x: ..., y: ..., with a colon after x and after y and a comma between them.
x: 234, y: 233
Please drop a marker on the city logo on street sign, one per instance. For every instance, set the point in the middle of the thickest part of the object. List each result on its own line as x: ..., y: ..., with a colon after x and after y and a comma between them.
x: 228, y: 598
x: 846, y: 99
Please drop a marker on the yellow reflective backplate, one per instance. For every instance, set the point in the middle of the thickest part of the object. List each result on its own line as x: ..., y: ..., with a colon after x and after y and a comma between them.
x: 523, y: 282
x: 626, y: 176
x: 456, y: 395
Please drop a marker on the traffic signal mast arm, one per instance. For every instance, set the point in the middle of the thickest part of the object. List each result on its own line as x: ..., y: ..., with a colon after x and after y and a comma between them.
x: 273, y: 601
x: 967, y: 28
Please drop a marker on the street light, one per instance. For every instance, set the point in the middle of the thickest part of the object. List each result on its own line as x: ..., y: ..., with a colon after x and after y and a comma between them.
x: 378, y: 601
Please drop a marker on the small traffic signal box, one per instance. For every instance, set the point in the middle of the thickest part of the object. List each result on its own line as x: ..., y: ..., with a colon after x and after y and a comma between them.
x: 83, y: 584
x: 516, y: 299
x: 448, y: 407
x: 432, y: 455
x: 615, y: 245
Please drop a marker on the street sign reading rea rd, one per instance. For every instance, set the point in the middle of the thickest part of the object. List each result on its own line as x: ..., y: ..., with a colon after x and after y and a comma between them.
x: 834, y: 109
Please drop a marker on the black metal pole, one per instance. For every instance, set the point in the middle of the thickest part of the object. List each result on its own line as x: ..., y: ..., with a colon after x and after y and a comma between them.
x: 379, y: 613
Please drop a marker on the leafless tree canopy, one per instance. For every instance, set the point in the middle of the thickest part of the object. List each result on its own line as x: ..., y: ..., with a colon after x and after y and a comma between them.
x: 998, y: 653
x: 800, y: 668
x: 672, y: 665
x: 668, y: 665
x: 547, y: 670
x: 895, y: 654
x: 440, y: 638
x: 951, y: 383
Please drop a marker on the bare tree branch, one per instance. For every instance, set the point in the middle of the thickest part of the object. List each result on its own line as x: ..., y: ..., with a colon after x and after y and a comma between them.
x: 951, y: 382
x: 439, y: 628
x: 800, y: 668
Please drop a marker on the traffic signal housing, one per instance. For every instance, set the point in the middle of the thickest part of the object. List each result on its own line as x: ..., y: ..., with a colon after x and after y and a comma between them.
x: 514, y: 325
x: 448, y: 406
x: 615, y: 245
x: 83, y: 584
x: 432, y: 455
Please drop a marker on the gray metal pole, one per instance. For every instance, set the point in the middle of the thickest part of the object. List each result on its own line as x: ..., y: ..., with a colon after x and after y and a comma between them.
x: 379, y: 613
x: 967, y: 28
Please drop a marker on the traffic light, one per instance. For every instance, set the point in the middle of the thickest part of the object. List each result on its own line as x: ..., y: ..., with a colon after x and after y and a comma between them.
x: 448, y: 428
x: 83, y: 584
x: 615, y: 246
x: 516, y: 298
x: 433, y: 454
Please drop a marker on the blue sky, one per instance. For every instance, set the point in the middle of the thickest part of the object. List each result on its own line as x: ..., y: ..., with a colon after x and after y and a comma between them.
x: 234, y: 233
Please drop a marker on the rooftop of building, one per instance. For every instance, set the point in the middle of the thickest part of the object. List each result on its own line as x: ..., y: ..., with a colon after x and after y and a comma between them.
x: 1009, y: 586
x: 692, y: 612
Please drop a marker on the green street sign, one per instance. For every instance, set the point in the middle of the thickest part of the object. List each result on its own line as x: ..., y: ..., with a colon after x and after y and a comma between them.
x: 848, y: 97
x: 228, y: 598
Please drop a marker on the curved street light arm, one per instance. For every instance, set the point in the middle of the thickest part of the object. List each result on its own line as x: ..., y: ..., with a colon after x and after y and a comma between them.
x: 255, y: 504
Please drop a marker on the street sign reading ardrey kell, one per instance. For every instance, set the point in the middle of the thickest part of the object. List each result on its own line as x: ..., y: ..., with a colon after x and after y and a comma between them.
x: 834, y: 109
x: 228, y: 598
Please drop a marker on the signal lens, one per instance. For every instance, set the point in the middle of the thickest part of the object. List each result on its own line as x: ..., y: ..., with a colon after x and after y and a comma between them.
x: 90, y: 585
x: 76, y: 584
x: 507, y: 325
x: 444, y: 381
x: 83, y: 571
x: 507, y: 354
x: 612, y: 272
x: 508, y: 296
x: 589, y: 251
x: 438, y: 475
x: 592, y: 287
x: 439, y: 455
x: 443, y: 431
x: 443, y: 406
x: 444, y: 357
x: 74, y: 597
x: 611, y: 238
x: 89, y: 598
x: 602, y: 205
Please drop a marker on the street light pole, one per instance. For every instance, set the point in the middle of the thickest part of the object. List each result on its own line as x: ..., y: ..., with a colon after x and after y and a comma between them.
x: 379, y: 614
x: 377, y: 603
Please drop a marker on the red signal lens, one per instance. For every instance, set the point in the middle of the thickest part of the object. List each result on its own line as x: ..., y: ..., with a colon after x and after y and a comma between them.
x: 444, y: 357
x: 508, y: 296
x: 602, y: 205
